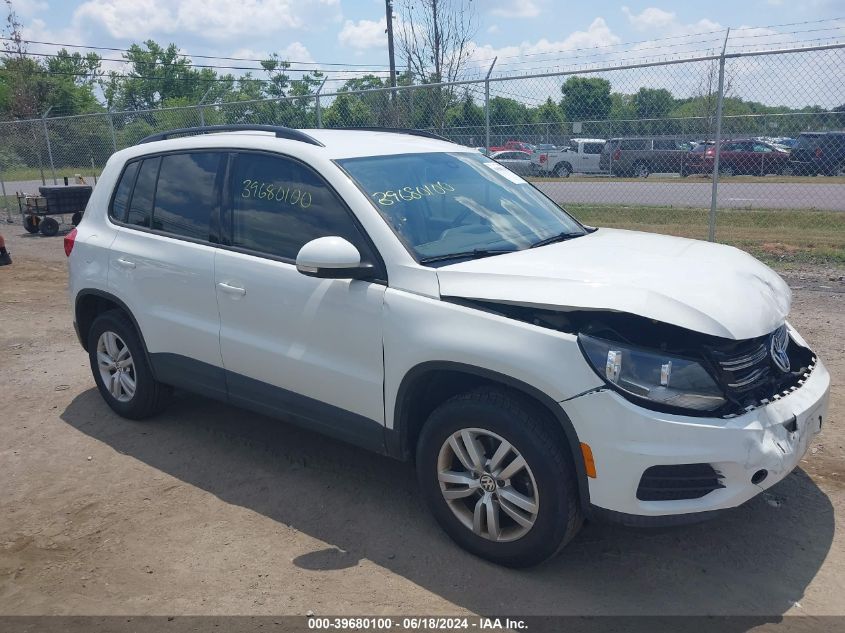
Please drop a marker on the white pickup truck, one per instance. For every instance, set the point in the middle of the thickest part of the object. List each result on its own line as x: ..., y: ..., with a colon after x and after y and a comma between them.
x: 581, y: 157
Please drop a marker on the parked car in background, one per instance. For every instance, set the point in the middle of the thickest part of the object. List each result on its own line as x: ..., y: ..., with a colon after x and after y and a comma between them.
x: 642, y: 156
x: 819, y: 153
x: 544, y: 147
x: 737, y: 156
x: 580, y: 156
x: 518, y: 146
x: 517, y: 162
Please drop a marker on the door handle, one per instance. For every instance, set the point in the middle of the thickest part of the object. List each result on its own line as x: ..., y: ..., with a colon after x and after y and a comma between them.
x: 124, y: 263
x: 232, y: 290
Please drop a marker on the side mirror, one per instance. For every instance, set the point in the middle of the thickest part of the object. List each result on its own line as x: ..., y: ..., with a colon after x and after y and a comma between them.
x: 332, y: 258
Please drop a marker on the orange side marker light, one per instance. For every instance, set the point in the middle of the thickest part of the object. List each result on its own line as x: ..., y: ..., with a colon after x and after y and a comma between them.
x: 589, y: 462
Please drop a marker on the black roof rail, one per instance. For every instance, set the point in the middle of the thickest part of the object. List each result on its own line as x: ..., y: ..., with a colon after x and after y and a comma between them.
x: 278, y: 130
x: 396, y: 130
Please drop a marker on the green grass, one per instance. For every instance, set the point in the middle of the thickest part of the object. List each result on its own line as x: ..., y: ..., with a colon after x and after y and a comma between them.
x: 777, y: 236
x: 698, y: 179
x: 33, y: 173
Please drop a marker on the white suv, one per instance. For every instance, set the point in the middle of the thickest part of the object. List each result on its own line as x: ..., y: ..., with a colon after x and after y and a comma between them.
x: 416, y: 298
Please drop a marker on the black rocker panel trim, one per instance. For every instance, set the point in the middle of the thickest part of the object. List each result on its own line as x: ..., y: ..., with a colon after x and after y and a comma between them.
x: 261, y: 397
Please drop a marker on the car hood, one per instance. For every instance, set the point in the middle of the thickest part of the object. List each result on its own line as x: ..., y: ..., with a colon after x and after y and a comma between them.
x: 705, y: 287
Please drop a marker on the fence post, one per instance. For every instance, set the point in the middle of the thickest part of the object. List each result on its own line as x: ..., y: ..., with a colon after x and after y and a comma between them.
x: 717, y: 141
x: 6, y: 200
x: 487, y: 106
x: 317, y: 109
x: 200, y: 107
x: 49, y: 149
x: 111, y: 127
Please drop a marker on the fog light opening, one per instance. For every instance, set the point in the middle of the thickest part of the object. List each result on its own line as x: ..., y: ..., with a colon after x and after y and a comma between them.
x: 759, y: 477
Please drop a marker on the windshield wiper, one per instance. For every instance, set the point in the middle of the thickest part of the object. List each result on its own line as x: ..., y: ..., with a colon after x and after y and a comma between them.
x: 560, y: 237
x: 478, y: 252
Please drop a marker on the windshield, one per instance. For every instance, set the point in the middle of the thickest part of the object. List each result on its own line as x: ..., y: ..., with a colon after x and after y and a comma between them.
x: 457, y: 203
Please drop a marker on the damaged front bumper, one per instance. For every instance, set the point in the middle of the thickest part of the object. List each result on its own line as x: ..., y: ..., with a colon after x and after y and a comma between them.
x: 746, y: 454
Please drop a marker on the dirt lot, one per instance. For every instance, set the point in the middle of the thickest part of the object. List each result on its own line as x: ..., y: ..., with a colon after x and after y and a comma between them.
x: 211, y: 510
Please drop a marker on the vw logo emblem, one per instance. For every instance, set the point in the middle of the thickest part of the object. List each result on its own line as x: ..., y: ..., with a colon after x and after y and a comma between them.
x: 777, y: 349
x: 488, y: 484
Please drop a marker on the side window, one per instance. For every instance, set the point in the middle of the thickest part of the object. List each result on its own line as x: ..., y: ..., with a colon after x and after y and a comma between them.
x: 593, y: 148
x: 279, y: 205
x: 662, y: 143
x: 120, y: 202
x: 186, y: 194
x: 141, y: 202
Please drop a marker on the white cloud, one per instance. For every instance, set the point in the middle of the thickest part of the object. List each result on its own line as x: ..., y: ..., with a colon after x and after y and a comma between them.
x: 649, y: 18
x: 29, y: 8
x: 209, y: 19
x: 517, y: 9
x: 597, y: 34
x: 363, y: 34
x: 493, y: 29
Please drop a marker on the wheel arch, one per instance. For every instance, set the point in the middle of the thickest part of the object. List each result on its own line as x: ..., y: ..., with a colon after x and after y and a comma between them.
x: 428, y: 384
x: 92, y: 302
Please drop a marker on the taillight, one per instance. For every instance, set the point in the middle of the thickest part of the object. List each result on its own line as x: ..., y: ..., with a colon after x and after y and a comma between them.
x: 819, y: 152
x: 617, y: 154
x: 710, y: 152
x: 70, y: 240
x: 543, y: 158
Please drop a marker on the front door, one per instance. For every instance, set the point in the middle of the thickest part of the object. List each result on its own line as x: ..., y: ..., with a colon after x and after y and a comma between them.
x: 306, y: 349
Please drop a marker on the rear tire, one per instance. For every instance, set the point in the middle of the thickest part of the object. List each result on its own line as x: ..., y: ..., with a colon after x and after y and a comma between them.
x: 49, y: 227
x: 116, y: 354
x: 528, y: 512
x: 562, y: 170
x: 641, y: 170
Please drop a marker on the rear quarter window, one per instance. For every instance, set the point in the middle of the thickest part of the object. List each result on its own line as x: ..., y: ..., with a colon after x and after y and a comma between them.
x: 120, y: 202
x: 141, y: 201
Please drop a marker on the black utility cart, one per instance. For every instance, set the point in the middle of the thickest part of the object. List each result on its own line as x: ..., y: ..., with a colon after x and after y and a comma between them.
x: 59, y: 200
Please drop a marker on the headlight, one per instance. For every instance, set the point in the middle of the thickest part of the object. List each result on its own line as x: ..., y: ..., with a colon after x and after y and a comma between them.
x: 667, y: 380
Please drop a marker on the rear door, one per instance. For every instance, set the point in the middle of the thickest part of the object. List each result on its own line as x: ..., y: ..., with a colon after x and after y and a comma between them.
x: 590, y: 157
x: 304, y: 348
x: 162, y: 266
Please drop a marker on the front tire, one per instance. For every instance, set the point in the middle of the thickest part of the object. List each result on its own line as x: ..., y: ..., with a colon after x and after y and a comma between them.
x: 121, y: 370
x: 498, y: 478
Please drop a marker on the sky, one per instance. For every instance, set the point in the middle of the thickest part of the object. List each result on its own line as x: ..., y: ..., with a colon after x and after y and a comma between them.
x: 345, y: 35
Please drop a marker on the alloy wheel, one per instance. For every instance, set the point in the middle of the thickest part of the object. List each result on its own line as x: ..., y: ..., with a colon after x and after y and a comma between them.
x: 117, y: 368
x: 487, y: 484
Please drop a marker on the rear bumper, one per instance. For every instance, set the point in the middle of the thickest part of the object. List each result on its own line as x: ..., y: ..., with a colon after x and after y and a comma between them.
x: 626, y: 440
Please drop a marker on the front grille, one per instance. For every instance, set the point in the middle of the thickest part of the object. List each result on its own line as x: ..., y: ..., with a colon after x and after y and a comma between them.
x: 749, y: 375
x: 680, y: 481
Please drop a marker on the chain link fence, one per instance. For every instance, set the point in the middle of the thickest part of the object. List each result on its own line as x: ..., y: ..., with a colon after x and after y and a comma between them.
x: 685, y: 147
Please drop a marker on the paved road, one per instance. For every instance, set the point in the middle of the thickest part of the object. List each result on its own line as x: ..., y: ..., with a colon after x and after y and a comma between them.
x: 828, y: 197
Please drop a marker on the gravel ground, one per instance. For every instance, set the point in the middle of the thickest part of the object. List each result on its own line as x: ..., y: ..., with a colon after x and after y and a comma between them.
x: 211, y: 510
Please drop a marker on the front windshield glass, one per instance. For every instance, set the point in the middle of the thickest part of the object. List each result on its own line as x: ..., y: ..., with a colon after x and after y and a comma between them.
x: 458, y: 203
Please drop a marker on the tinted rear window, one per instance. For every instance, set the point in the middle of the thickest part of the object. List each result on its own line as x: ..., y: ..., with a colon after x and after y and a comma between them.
x: 124, y: 189
x: 808, y: 141
x: 186, y: 194
x: 635, y: 144
x: 141, y: 204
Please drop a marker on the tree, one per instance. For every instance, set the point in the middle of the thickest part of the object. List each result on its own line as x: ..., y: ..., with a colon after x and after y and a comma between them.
x: 157, y: 74
x: 586, y: 98
x: 651, y: 103
x: 435, y: 38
